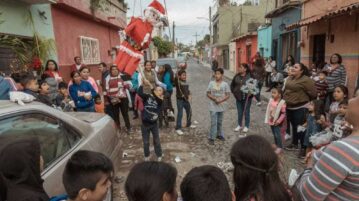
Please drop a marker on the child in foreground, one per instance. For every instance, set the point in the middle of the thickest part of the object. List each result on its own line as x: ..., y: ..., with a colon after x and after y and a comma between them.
x: 152, y: 108
x: 87, y: 176
x: 152, y: 181
x: 275, y: 116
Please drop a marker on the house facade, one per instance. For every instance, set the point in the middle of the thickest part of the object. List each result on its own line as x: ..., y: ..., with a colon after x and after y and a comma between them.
x: 246, y: 48
x: 265, y: 40
x: 22, y: 19
x: 92, y: 35
x: 332, y: 28
x: 230, y: 22
x: 285, y: 42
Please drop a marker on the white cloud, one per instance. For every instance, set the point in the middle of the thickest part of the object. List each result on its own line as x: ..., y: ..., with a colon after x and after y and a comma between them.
x: 184, y: 13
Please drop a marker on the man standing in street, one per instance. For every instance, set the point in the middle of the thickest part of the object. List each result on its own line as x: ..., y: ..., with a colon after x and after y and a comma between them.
x: 218, y: 92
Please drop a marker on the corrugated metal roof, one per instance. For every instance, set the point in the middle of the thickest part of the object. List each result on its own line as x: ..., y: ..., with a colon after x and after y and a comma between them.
x: 312, y: 19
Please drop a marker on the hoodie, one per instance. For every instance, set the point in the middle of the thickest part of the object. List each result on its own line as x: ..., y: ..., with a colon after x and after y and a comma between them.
x: 21, y: 171
x: 152, y: 107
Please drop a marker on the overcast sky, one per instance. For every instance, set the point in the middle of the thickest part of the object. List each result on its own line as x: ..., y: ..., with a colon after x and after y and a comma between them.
x: 184, y: 13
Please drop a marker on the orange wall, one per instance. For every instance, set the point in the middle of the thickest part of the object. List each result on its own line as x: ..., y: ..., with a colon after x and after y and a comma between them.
x: 315, y: 7
x: 346, y: 43
x: 242, y: 45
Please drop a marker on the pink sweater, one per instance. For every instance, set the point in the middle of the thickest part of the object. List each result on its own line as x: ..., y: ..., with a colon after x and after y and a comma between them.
x: 271, y: 111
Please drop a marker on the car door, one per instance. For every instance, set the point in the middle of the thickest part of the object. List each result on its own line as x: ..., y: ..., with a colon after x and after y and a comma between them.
x: 56, y: 138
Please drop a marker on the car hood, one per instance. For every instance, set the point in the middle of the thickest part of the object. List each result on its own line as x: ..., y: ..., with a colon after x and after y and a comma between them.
x: 88, y: 117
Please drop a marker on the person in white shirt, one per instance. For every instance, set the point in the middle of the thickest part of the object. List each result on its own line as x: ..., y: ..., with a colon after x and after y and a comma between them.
x: 270, y: 65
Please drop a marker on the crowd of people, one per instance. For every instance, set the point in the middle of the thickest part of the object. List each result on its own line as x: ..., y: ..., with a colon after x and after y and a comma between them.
x: 310, y: 106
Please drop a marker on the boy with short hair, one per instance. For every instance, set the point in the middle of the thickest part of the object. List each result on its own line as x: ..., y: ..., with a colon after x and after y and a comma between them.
x: 63, y: 99
x: 87, y: 176
x: 183, y: 95
x: 322, y: 85
x: 30, y: 85
x: 44, y: 93
x: 152, y: 108
x: 207, y: 183
x: 218, y: 92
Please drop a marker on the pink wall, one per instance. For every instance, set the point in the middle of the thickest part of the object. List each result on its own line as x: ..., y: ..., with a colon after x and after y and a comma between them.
x: 317, y: 7
x: 241, y: 45
x: 345, y: 43
x: 68, y: 28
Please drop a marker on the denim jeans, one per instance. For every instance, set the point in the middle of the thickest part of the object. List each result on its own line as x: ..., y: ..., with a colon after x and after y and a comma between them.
x: 297, y: 118
x: 258, y: 96
x: 241, y: 105
x: 146, y: 132
x: 277, y: 136
x: 183, y: 104
x: 216, y: 125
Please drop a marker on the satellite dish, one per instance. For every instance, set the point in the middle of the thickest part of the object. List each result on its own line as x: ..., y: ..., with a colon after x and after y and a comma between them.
x: 282, y: 27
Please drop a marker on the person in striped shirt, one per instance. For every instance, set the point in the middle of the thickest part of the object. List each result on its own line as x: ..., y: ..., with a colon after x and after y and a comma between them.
x: 333, y: 172
x: 337, y: 75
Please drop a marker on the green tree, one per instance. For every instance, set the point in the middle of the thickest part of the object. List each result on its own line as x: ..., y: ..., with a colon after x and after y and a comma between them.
x: 163, y: 47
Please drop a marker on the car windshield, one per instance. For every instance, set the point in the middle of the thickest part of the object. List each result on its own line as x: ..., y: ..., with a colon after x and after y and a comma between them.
x: 171, y: 62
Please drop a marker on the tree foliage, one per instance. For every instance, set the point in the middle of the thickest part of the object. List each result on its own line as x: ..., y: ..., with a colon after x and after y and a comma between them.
x: 163, y: 47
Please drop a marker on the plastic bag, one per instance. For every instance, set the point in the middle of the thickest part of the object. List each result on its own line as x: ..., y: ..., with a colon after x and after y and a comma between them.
x: 21, y: 98
x: 321, y: 138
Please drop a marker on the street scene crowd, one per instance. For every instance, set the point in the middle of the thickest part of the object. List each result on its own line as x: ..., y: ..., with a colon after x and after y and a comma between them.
x: 310, y: 106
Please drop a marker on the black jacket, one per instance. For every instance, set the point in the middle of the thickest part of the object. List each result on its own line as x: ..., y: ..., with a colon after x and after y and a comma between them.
x: 21, y: 171
x: 182, y: 89
x: 236, y: 85
x: 152, y: 107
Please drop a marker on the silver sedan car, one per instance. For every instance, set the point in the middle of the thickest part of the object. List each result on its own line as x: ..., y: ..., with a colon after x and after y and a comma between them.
x: 60, y: 134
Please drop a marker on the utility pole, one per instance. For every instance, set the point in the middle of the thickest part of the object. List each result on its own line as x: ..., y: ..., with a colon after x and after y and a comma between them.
x: 196, y: 38
x: 210, y: 35
x: 173, y: 39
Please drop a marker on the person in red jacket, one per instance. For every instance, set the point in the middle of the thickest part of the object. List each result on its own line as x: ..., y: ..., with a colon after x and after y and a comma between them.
x: 77, y: 65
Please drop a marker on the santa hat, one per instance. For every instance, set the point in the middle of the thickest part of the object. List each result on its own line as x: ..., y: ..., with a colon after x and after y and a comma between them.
x: 156, y: 7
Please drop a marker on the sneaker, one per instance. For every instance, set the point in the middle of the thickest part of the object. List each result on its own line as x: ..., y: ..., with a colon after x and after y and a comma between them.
x: 159, y: 159
x: 195, y: 122
x: 221, y: 138
x: 193, y: 126
x: 179, y: 132
x: 211, y: 142
x: 259, y: 104
x: 245, y: 130
x: 171, y: 114
x: 237, y: 129
x: 287, y: 137
x: 291, y: 147
x: 147, y: 159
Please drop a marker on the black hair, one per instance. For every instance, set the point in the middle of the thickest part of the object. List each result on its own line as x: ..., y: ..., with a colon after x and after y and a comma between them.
x: 344, y: 102
x: 17, y: 77
x: 76, y: 58
x: 180, y: 72
x: 41, y: 82
x: 292, y: 60
x: 220, y: 70
x: 340, y: 58
x: 323, y: 72
x: 97, y: 97
x: 103, y: 64
x: 113, y: 66
x: 344, y: 90
x: 83, y: 68
x: 53, y: 61
x: 147, y: 61
x: 148, y: 181
x: 44, y: 76
x: 73, y: 73
x: 256, y: 170
x: 83, y: 170
x: 305, y: 69
x: 62, y: 85
x: 246, y: 66
x: 318, y: 108
x: 207, y: 183
x: 168, y: 69
x: 26, y: 78
x: 279, y: 90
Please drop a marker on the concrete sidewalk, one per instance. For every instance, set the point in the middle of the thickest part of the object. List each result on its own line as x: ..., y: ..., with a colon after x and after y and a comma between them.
x: 229, y: 74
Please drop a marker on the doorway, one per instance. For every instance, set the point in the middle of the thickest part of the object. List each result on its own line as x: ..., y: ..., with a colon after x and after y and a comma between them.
x: 319, y: 50
x: 249, y: 53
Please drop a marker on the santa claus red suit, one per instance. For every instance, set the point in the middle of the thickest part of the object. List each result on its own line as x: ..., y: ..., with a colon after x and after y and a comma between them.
x: 138, y: 38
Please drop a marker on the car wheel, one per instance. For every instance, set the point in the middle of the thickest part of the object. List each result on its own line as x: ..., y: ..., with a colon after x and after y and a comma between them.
x: 109, y: 196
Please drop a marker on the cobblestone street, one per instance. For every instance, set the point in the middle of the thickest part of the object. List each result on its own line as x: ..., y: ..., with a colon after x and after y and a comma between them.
x: 192, y: 148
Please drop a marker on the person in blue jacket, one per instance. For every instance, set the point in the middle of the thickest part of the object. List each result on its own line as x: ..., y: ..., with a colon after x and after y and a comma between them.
x: 82, y: 93
x: 168, y: 80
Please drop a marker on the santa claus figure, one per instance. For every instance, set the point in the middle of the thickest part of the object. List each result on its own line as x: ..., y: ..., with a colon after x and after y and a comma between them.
x: 137, y: 37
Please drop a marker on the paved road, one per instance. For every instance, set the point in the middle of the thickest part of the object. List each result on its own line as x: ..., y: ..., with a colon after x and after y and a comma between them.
x: 192, y: 148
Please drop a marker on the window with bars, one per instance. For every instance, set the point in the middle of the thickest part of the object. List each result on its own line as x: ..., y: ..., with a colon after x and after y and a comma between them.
x: 90, y: 50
